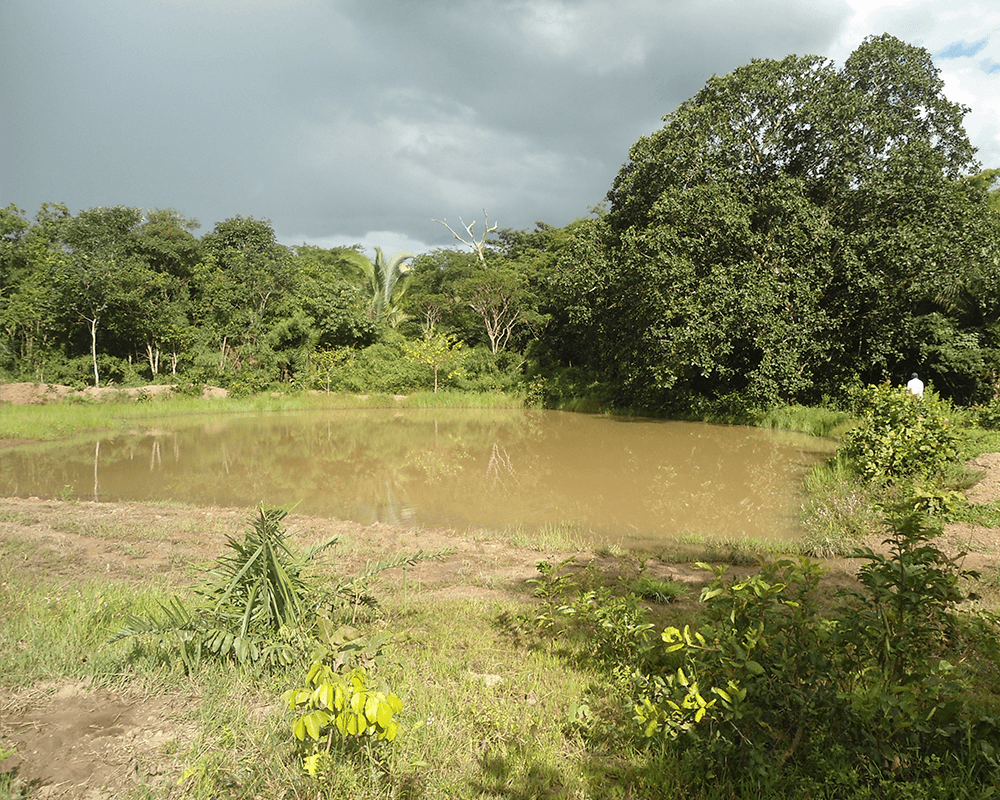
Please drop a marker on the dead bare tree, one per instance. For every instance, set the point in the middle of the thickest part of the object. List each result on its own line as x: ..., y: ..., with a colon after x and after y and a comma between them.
x: 480, y: 246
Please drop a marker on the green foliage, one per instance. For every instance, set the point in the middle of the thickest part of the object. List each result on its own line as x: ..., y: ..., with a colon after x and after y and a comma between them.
x: 791, y: 226
x: 340, y: 716
x: 767, y: 680
x: 988, y: 416
x: 437, y: 351
x: 905, y: 611
x: 812, y: 420
x: 327, y: 363
x: 258, y: 607
x: 618, y: 625
x: 659, y: 590
x: 385, y: 279
x: 379, y: 368
x: 838, y: 510
x: 11, y: 787
x: 344, y: 703
x: 933, y: 501
x: 900, y: 436
x: 611, y: 626
x: 760, y: 659
x: 260, y: 583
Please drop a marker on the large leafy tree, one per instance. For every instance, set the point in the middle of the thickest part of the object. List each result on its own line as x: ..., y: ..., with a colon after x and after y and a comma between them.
x: 168, y: 248
x: 786, y: 231
x: 331, y: 289
x: 14, y: 269
x: 102, y: 279
x: 239, y: 287
x: 434, y: 296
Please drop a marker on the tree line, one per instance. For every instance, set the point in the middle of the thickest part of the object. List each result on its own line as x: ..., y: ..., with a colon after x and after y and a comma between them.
x: 792, y: 230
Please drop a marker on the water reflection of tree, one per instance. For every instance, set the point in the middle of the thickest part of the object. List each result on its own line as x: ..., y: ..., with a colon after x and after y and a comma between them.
x: 500, y: 470
x: 742, y: 487
x: 374, y: 466
x: 437, y: 466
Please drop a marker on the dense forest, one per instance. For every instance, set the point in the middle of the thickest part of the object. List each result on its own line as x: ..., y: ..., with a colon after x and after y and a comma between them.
x: 792, y: 230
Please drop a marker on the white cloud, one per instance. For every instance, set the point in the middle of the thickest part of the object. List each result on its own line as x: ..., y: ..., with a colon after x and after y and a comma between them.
x: 391, y: 242
x: 430, y: 157
x: 944, y: 28
x: 597, y: 37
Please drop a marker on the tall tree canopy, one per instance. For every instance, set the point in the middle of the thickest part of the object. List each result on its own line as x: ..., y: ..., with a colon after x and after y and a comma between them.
x: 791, y: 228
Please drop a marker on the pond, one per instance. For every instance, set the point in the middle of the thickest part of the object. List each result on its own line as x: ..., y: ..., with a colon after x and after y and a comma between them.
x: 632, y: 482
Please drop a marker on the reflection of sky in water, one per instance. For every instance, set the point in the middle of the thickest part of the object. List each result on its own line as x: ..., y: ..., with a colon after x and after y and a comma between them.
x: 625, y: 480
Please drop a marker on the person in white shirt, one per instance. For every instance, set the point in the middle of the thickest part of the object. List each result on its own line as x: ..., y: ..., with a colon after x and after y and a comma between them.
x: 916, y: 386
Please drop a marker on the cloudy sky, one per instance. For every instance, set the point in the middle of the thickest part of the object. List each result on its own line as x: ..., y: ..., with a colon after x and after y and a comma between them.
x: 346, y: 121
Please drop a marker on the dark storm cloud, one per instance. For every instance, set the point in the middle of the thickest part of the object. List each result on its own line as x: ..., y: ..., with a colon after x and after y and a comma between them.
x: 338, y: 119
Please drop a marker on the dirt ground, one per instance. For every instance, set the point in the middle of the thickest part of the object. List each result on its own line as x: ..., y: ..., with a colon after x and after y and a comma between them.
x: 72, y: 739
x: 36, y: 393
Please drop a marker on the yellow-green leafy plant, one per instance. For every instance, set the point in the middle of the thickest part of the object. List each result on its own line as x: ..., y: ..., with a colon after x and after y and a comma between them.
x: 343, y: 704
x: 340, y: 711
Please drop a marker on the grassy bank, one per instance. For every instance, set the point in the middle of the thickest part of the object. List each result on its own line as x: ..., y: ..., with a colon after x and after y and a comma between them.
x: 74, y: 415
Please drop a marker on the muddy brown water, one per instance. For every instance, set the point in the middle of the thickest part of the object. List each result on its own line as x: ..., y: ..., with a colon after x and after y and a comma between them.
x: 632, y: 482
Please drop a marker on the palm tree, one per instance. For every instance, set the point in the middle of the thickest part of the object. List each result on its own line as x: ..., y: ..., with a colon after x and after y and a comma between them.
x: 384, y: 277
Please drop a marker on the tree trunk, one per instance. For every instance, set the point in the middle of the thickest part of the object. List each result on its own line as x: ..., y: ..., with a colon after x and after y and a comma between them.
x: 154, y: 359
x: 93, y: 350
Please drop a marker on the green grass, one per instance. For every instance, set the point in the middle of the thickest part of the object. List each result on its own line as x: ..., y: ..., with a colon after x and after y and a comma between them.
x: 560, y: 537
x: 659, y: 590
x: 71, y: 417
x: 977, y: 441
x: 815, y: 421
x: 986, y: 515
x: 482, y: 716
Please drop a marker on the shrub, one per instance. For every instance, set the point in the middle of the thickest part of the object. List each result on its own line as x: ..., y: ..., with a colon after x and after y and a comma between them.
x: 756, y: 678
x: 259, y: 606
x: 901, y: 436
x: 767, y: 679
x: 987, y: 417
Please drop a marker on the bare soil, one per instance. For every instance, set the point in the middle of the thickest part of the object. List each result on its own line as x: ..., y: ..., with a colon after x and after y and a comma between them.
x: 37, y: 393
x: 74, y: 739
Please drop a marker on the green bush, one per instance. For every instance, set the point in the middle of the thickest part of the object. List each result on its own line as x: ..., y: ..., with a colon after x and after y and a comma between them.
x: 901, y: 436
x: 987, y: 416
x: 756, y: 678
x: 378, y: 369
x: 768, y: 680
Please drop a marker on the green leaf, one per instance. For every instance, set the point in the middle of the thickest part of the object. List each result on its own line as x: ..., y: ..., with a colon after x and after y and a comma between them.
x: 383, y: 715
x: 754, y: 668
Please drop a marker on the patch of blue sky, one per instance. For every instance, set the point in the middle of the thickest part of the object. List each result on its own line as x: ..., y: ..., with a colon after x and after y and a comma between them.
x: 989, y: 66
x: 962, y: 49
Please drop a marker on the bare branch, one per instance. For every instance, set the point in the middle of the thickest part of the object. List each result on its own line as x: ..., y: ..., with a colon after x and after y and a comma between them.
x: 480, y: 246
